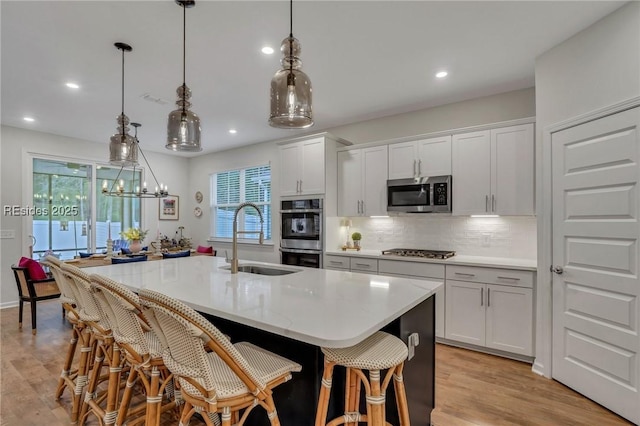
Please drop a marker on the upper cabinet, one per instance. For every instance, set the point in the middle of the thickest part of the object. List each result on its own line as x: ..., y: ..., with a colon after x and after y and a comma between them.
x: 493, y: 171
x: 424, y: 157
x: 303, y: 165
x: 362, y: 182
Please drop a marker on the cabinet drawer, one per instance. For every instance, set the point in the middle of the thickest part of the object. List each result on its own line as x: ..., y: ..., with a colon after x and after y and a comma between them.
x: 369, y: 265
x: 490, y: 275
x: 416, y: 269
x: 336, y: 262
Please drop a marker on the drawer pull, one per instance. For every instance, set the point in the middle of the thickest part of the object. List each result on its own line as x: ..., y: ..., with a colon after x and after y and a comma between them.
x: 336, y: 262
x: 509, y: 278
x: 465, y: 275
x: 482, y: 296
x: 363, y: 264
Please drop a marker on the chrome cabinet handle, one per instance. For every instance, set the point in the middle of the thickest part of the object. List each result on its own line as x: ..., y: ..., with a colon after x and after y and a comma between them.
x: 488, y: 297
x: 482, y: 296
x: 465, y: 275
x: 557, y: 269
x: 358, y: 206
x: 486, y: 203
x: 300, y: 185
x: 509, y: 278
x: 419, y: 167
x: 363, y: 264
x: 335, y: 262
x: 414, y: 168
x: 493, y: 203
x: 362, y: 206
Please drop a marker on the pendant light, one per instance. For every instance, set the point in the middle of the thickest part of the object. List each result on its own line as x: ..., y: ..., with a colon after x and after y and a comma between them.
x: 137, y: 189
x: 183, y: 128
x: 122, y: 148
x: 290, y: 87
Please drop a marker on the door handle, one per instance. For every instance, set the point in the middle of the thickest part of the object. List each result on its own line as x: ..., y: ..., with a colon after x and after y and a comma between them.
x: 488, y: 297
x: 300, y: 185
x: 419, y: 167
x: 486, y: 203
x: 414, y: 168
x: 362, y: 207
x: 556, y: 269
x: 482, y: 296
x: 493, y: 203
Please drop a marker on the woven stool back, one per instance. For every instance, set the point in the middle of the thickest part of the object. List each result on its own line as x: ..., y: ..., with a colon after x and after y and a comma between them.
x: 90, y: 312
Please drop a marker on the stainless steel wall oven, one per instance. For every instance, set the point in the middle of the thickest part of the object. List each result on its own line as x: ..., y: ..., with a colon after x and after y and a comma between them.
x: 301, y: 232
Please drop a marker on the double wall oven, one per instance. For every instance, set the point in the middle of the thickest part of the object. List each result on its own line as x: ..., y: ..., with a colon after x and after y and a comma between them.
x: 301, y: 232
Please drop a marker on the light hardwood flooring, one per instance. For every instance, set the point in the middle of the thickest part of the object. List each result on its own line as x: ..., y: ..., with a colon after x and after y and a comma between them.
x: 471, y: 388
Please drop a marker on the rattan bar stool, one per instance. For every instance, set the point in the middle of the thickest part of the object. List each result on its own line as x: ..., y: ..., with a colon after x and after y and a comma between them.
x: 143, y: 351
x: 107, y: 353
x: 72, y: 377
x: 230, y: 380
x: 381, y: 351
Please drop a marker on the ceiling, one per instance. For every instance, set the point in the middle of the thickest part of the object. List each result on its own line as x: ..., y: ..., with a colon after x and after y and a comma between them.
x: 365, y: 60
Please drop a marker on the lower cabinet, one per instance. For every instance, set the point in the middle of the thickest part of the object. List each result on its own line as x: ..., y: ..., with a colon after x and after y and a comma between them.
x: 496, y: 316
x: 353, y: 264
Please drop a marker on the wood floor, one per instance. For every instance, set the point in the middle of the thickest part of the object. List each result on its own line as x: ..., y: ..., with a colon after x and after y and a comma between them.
x: 471, y: 388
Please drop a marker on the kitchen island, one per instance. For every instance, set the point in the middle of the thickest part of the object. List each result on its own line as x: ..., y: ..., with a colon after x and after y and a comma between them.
x: 297, y: 313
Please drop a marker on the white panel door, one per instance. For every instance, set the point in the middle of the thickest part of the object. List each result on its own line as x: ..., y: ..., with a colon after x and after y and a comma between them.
x: 402, y: 160
x: 312, y: 178
x: 434, y: 156
x: 471, y: 164
x: 374, y: 175
x: 465, y: 312
x: 512, y: 153
x: 510, y: 319
x: 349, y: 182
x: 290, y: 169
x: 595, y: 242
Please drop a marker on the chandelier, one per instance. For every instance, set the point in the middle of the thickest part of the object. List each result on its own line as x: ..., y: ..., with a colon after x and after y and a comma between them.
x: 290, y: 87
x: 117, y: 188
x: 183, y: 127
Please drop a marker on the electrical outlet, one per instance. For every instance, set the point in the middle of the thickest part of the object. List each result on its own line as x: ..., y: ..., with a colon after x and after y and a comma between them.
x: 7, y: 233
x: 486, y: 240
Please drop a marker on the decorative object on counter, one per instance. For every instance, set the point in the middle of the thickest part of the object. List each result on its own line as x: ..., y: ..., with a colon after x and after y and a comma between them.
x: 136, y: 190
x: 109, y: 246
x: 135, y: 236
x: 356, y: 237
x: 183, y: 128
x: 199, y: 197
x: 290, y: 87
x: 169, y: 208
x: 348, y: 223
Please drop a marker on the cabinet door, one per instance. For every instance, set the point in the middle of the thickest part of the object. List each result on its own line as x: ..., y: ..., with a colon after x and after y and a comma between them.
x: 434, y: 156
x: 402, y: 160
x: 312, y: 176
x: 471, y: 165
x: 512, y: 153
x: 464, y: 312
x: 374, y: 179
x: 349, y: 182
x: 440, y: 309
x: 290, y: 169
x: 509, y: 319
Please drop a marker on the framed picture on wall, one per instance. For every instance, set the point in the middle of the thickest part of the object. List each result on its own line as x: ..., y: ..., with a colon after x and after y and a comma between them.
x: 169, y: 208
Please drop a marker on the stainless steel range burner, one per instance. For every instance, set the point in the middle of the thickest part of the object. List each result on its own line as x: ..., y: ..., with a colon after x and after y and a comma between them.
x: 428, y: 254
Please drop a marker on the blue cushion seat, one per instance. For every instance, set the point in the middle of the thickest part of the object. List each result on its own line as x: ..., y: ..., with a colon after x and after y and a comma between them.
x: 185, y: 253
x: 117, y: 260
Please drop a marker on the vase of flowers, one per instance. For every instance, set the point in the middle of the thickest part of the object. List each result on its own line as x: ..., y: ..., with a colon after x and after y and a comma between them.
x: 135, y: 236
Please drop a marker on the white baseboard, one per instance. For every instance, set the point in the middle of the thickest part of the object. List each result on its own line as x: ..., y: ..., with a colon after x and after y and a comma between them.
x: 9, y: 304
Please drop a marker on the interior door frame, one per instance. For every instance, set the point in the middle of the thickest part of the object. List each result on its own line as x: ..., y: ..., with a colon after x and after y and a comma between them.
x: 544, y: 212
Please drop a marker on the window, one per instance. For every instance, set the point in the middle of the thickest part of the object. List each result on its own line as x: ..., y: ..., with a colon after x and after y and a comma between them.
x: 231, y: 188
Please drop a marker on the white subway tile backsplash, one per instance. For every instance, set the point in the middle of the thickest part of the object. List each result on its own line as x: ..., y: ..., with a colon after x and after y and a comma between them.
x: 498, y: 237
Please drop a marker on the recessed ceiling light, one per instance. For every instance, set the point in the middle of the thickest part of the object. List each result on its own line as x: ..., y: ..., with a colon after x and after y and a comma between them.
x: 442, y: 74
x: 72, y: 85
x: 233, y: 131
x: 267, y: 50
x: 29, y: 119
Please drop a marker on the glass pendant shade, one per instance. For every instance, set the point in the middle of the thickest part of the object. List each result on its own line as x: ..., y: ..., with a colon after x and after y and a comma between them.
x: 291, y: 90
x: 183, y: 127
x: 122, y: 148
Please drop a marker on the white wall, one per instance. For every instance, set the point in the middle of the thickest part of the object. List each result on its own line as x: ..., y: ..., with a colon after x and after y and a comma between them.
x: 596, y: 68
x: 18, y: 145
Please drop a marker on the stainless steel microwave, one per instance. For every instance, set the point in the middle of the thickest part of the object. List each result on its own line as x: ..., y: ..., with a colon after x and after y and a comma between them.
x: 420, y: 195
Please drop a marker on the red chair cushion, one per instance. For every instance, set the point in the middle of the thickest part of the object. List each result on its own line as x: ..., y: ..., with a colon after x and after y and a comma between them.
x: 203, y: 249
x: 35, y: 269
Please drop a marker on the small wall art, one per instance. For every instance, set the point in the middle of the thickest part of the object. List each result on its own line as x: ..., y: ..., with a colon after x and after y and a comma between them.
x: 169, y: 208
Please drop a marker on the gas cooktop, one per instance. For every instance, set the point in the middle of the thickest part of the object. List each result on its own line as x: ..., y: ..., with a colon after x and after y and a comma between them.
x: 428, y: 254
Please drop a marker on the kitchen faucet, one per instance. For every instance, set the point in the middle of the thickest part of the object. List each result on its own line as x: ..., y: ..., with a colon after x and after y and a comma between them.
x: 234, y: 250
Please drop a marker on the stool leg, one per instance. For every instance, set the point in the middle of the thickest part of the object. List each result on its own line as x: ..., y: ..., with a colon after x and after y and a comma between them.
x: 325, y: 391
x: 352, y: 396
x: 401, y: 396
x: 375, y: 401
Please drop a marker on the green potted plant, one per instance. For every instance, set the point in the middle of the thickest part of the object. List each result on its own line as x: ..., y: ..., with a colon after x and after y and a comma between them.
x: 356, y: 237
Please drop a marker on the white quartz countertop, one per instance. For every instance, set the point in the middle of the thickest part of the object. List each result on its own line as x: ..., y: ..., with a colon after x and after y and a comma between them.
x: 494, y: 262
x: 317, y: 306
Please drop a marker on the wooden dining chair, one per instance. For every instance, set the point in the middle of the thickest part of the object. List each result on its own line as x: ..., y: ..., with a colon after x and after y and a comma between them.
x: 230, y: 380
x: 33, y: 291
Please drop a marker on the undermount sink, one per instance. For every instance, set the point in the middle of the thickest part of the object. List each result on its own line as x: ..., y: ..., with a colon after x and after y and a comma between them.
x: 263, y: 270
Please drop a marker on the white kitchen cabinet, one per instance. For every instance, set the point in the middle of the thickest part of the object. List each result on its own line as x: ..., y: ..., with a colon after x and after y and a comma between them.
x: 490, y: 307
x: 351, y: 263
x: 303, y: 167
x: 362, y: 182
x: 425, y: 157
x: 493, y: 171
